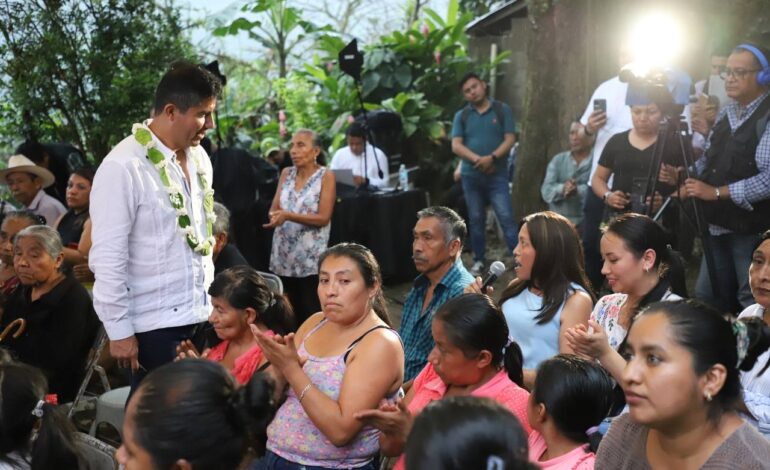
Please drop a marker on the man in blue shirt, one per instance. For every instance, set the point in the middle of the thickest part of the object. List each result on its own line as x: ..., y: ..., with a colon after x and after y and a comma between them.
x: 438, y: 242
x: 482, y: 136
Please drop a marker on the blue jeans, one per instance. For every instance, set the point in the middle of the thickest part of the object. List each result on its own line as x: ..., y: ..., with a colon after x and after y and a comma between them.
x: 732, y: 257
x: 481, y: 189
x: 272, y: 461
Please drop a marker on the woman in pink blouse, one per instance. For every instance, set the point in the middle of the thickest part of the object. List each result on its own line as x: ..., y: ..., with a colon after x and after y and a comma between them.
x: 241, y: 298
x: 472, y: 356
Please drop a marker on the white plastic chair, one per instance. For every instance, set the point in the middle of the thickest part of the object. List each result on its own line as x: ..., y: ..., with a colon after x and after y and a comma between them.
x: 273, y: 282
x: 111, y: 409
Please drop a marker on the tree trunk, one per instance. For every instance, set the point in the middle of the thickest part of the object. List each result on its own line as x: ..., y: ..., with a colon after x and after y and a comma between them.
x: 541, y: 112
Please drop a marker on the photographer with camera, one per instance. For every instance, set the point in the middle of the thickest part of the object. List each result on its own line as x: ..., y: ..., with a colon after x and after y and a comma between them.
x: 628, y: 156
x: 733, y: 179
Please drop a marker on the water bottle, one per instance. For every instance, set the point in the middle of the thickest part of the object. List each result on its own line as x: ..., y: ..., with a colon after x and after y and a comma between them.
x: 403, y: 178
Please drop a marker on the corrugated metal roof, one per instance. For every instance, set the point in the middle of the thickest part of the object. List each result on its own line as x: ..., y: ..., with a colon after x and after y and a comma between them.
x: 491, y: 23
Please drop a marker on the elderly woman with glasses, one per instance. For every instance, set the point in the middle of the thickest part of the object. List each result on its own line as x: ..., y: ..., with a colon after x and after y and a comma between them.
x: 50, y: 318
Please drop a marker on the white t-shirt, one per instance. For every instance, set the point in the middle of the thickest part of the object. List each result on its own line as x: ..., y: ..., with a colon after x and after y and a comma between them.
x: 618, y: 116
x: 344, y: 159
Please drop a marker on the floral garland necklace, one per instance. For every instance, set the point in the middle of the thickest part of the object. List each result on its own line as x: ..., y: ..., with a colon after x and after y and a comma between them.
x: 143, y: 136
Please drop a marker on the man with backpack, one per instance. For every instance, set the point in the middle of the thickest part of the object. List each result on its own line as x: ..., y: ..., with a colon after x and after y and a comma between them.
x: 482, y: 136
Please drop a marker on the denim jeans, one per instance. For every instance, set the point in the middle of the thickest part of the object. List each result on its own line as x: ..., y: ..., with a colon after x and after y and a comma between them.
x: 272, y: 461
x: 732, y: 257
x: 481, y: 189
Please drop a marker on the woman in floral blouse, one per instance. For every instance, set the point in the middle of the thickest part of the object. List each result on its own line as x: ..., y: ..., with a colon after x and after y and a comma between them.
x: 301, y: 214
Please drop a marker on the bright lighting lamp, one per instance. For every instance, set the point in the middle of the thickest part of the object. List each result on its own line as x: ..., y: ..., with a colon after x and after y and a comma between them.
x: 655, y: 42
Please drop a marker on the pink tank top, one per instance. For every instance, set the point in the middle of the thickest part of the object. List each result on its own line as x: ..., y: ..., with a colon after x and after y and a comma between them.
x: 293, y: 436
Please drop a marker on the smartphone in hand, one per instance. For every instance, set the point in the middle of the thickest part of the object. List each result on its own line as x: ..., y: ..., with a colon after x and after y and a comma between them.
x: 600, y: 104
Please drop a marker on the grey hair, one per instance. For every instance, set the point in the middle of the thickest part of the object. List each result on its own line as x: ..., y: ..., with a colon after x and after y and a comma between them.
x: 314, y: 137
x: 27, y: 215
x: 222, y: 224
x: 46, y: 236
x: 452, y: 224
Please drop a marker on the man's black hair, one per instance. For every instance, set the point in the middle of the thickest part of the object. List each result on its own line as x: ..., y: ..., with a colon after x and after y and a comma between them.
x: 356, y: 129
x: 469, y: 76
x: 186, y: 85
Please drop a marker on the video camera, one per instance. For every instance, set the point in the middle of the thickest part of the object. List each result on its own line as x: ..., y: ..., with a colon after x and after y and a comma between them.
x: 668, y: 88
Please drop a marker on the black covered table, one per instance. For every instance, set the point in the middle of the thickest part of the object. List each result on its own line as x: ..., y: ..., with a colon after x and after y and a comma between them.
x: 383, y: 222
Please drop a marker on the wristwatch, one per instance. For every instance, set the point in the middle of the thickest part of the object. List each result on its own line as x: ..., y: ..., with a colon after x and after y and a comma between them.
x: 716, y: 191
x: 494, y: 157
x: 606, y: 196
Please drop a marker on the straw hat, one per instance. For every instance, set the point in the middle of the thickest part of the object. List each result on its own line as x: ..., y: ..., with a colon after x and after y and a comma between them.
x: 20, y: 163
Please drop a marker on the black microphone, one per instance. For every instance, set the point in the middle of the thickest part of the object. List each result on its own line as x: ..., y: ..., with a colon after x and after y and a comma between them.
x: 495, y: 270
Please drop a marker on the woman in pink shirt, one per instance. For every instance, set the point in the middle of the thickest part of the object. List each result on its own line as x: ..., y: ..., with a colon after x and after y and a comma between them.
x: 241, y: 298
x: 570, y: 398
x: 472, y: 356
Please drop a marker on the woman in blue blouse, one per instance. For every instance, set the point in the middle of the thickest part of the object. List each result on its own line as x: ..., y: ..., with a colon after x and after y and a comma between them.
x: 550, y: 293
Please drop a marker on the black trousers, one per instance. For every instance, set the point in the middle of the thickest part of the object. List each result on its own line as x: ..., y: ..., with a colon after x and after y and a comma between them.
x: 303, y: 295
x: 158, y: 347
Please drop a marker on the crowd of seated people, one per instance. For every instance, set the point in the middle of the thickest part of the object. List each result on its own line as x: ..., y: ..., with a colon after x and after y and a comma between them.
x: 319, y: 378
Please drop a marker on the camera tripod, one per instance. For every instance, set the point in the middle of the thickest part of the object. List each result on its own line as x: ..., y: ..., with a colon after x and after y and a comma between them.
x: 673, y: 129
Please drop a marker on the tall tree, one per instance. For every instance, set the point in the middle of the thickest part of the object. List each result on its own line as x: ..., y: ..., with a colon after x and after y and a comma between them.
x: 83, y: 71
x: 280, y: 28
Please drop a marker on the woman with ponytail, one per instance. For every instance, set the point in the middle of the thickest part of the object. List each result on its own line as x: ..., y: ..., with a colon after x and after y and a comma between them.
x: 33, y: 432
x: 755, y: 382
x: 640, y: 269
x: 473, y: 355
x: 192, y: 415
x: 242, y: 301
x: 682, y: 385
x: 570, y: 398
x: 343, y: 359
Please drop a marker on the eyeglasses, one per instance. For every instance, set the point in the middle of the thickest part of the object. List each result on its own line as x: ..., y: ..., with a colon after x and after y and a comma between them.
x: 737, y: 73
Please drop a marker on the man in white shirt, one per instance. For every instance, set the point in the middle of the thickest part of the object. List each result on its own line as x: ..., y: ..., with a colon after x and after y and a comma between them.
x: 27, y: 181
x: 152, y: 215
x: 601, y: 125
x: 352, y: 158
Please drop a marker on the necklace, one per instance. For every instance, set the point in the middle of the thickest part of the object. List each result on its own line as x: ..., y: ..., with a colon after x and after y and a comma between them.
x: 143, y: 136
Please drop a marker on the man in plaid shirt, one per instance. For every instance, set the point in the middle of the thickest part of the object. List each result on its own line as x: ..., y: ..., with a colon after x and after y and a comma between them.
x: 733, y: 179
x: 438, y: 242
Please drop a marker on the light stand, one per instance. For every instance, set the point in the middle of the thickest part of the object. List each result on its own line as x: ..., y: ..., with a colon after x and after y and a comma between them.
x: 351, y: 62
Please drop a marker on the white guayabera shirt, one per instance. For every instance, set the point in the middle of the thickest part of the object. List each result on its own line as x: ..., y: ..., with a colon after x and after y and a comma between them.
x: 147, y: 276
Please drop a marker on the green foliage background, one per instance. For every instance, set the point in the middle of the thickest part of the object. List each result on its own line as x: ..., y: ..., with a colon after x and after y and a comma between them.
x: 83, y: 71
